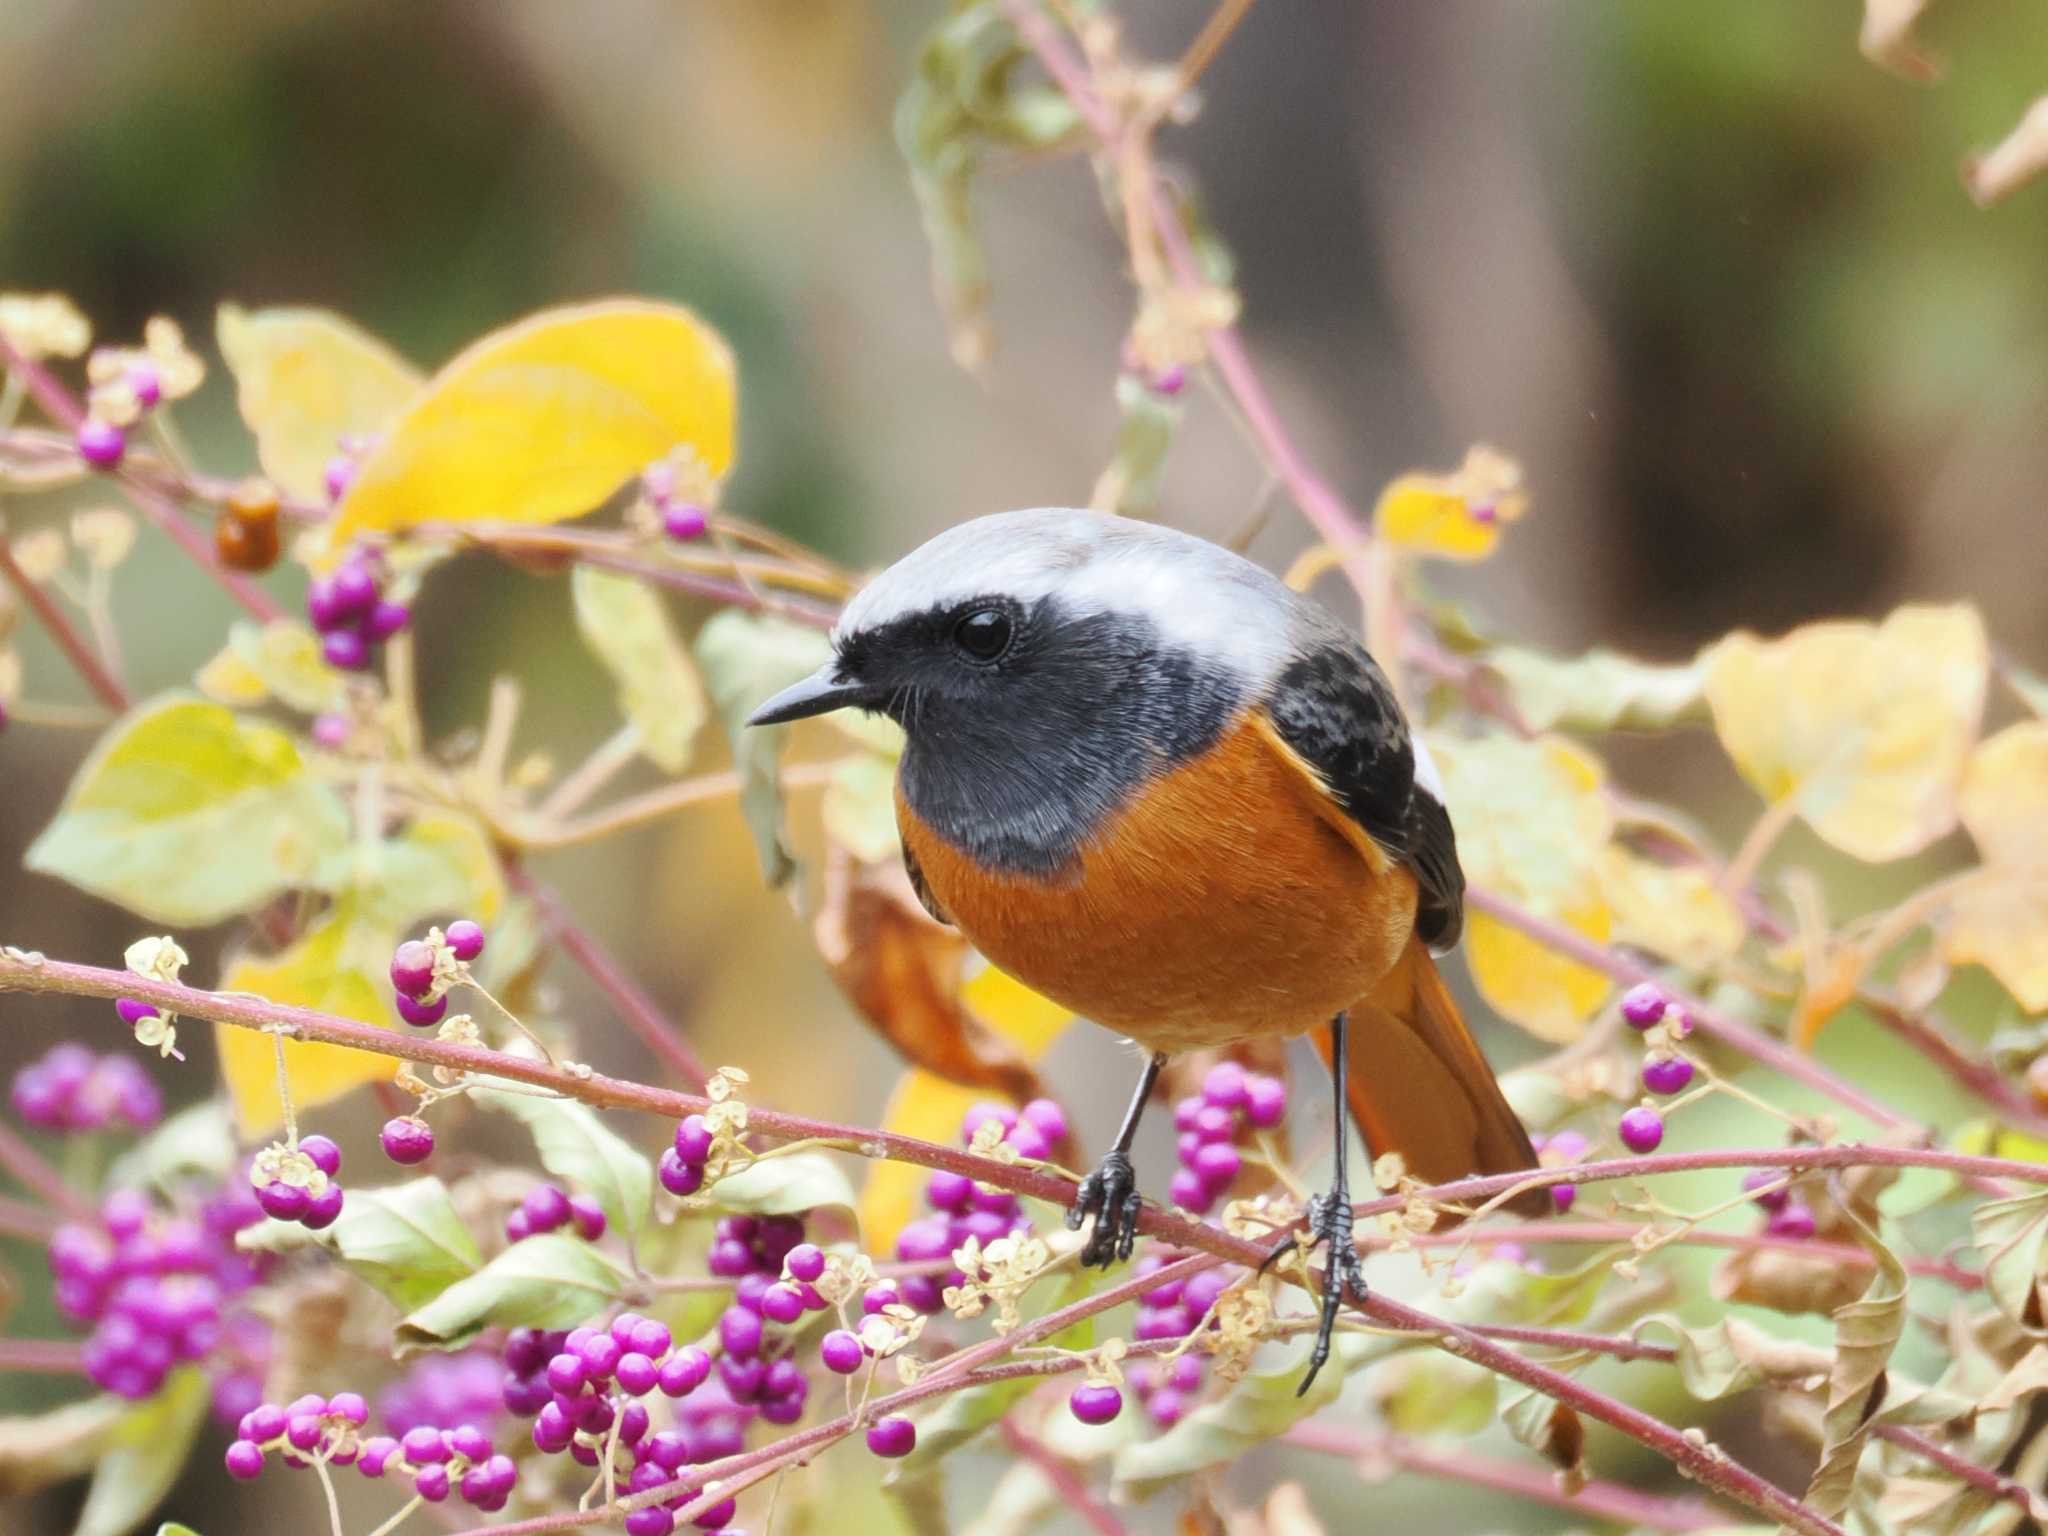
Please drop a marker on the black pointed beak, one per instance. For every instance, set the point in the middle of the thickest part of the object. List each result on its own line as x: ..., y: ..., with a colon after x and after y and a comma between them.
x: 819, y: 694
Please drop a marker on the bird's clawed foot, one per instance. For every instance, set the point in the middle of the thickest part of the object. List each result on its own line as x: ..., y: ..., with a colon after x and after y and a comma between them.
x: 1110, y: 1195
x: 1329, y: 1225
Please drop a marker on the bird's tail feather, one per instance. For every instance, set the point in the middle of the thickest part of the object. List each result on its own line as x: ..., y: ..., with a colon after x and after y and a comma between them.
x: 1419, y: 1085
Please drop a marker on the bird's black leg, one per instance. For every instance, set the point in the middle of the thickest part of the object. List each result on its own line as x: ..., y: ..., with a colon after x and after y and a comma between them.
x: 1110, y: 1193
x: 1329, y: 1222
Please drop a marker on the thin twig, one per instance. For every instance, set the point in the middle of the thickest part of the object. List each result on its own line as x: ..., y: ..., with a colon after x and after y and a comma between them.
x: 1074, y: 1493
x: 58, y: 626
x: 33, y: 1172
x: 43, y: 1357
x: 1984, y: 1479
x: 655, y: 1029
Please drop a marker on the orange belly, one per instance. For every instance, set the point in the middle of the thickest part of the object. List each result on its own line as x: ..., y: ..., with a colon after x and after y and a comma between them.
x: 1221, y: 903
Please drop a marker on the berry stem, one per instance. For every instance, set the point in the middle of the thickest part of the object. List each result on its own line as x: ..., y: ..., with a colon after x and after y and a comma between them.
x: 400, y: 1517
x: 327, y: 1486
x: 42, y: 386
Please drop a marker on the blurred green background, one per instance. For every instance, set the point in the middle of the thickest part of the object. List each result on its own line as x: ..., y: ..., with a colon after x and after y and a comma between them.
x: 1706, y: 272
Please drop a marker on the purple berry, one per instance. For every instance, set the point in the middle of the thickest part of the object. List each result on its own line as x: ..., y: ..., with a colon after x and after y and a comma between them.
x: 1773, y: 1201
x: 879, y: 1296
x: 1641, y: 1129
x: 923, y: 1239
x: 1029, y: 1141
x: 1562, y: 1196
x: 431, y: 1483
x: 649, y: 1520
x: 324, y: 1210
x: 1170, y: 381
x: 892, y: 1437
x: 345, y: 649
x: 546, y: 1207
x: 980, y: 1114
x: 693, y: 1139
x: 1224, y: 1087
x: 524, y: 1396
x: 729, y: 1258
x: 566, y: 1374
x: 1096, y: 1403
x: 1667, y: 1074
x: 1163, y: 1323
x: 1190, y: 1193
x: 322, y: 608
x: 552, y: 1430
x: 1185, y: 1110
x: 1213, y: 1124
x: 805, y: 1262
x: 375, y: 1455
x: 775, y: 1236
x: 421, y: 1015
x: 1049, y: 1119
x: 465, y: 938
x: 263, y: 1423
x: 600, y: 1354
x: 684, y: 1371
x: 325, y: 1154
x: 282, y: 1201
x: 647, y: 1337
x: 145, y: 384
x: 423, y: 1445
x: 743, y: 1376
x: 1216, y: 1164
x: 1265, y: 1101
x: 517, y: 1228
x: 752, y: 1287
x: 412, y: 968
x: 355, y: 589
x: 637, y: 1375
x: 304, y: 1431
x: 245, y: 1460
x: 679, y: 1176
x: 133, y: 1011
x: 469, y: 1442
x: 1795, y: 1221
x: 331, y: 731
x: 407, y: 1140
x: 1201, y: 1291
x: 350, y: 1406
x: 101, y: 443
x: 1167, y: 1407
x: 782, y: 1304
x: 740, y: 1331
x: 336, y: 475
x: 385, y: 620
x: 951, y: 1192
x: 718, y: 1516
x: 841, y: 1352
x: 588, y: 1216
x: 684, y: 521
x: 1643, y: 1004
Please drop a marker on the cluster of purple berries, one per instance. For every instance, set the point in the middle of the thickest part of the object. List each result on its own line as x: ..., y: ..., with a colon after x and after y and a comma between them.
x: 547, y: 1208
x: 351, y: 613
x: 1783, y: 1215
x: 681, y: 518
x: 961, y: 1208
x: 439, y: 1461
x: 416, y: 977
x: 70, y: 1089
x: 315, y: 1205
x: 1173, y: 1311
x: 444, y: 1389
x: 1208, y: 1122
x: 582, y: 1389
x: 1645, y: 1006
x: 681, y: 1169
x: 154, y: 1287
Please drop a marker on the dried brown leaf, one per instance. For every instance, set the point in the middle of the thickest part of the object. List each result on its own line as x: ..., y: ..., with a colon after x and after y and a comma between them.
x: 902, y: 971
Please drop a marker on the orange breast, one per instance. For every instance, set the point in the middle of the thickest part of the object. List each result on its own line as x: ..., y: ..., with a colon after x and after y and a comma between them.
x: 1223, y: 902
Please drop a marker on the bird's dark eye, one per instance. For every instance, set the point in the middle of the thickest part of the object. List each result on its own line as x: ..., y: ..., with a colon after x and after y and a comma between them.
x: 983, y: 634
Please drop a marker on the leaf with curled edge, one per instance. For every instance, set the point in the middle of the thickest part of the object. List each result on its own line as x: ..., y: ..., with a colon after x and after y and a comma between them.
x: 746, y: 658
x: 549, y: 1281
x: 1554, y: 1431
x: 2013, y: 1235
x: 1732, y: 1356
x: 1867, y: 1333
x: 904, y: 972
x: 576, y: 1146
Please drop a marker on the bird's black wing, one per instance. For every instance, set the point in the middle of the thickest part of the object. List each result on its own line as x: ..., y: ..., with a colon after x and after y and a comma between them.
x: 1335, y: 708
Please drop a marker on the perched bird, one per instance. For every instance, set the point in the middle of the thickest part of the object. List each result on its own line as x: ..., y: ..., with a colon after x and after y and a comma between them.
x: 1150, y: 781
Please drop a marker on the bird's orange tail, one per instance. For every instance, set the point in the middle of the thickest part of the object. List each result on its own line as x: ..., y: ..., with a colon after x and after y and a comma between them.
x: 1419, y: 1085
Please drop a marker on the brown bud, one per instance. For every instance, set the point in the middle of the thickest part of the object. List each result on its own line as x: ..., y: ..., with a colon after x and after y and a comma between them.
x: 245, y: 535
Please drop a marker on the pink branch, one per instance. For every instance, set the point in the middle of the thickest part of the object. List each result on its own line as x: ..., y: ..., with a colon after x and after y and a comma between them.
x: 35, y: 1174
x: 58, y: 626
x: 1074, y: 1493
x: 1606, y: 1501
x: 42, y: 386
x: 43, y: 1357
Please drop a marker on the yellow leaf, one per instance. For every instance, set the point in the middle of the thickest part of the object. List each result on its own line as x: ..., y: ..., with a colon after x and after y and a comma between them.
x: 1863, y: 728
x: 1457, y: 516
x: 1534, y: 986
x: 305, y: 379
x: 544, y: 419
x: 928, y: 1106
x: 330, y: 969
x: 1673, y: 910
x: 1534, y: 826
x: 1999, y: 919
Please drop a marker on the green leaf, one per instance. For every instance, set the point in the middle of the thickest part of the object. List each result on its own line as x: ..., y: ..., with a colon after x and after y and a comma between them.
x: 960, y: 104
x: 1600, y: 691
x: 408, y: 1240
x: 745, y: 659
x: 1259, y: 1408
x: 1432, y: 1393
x: 624, y: 622
x: 144, y: 1455
x: 575, y: 1145
x: 2014, y: 1236
x: 186, y: 815
x: 1146, y: 421
x: 39, y: 1449
x: 859, y: 808
x: 440, y: 865
x: 550, y: 1281
x: 197, y: 1140
x: 281, y: 660
x: 780, y: 1186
